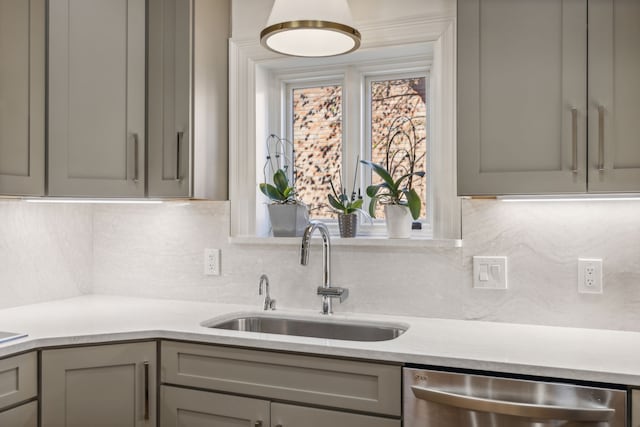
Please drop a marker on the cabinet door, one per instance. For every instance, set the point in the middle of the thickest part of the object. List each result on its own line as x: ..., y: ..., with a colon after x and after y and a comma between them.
x: 97, y: 98
x: 101, y: 386
x: 290, y: 416
x: 18, y: 379
x: 169, y: 98
x: 191, y: 408
x: 22, y: 80
x: 22, y: 416
x: 614, y: 96
x: 521, y: 96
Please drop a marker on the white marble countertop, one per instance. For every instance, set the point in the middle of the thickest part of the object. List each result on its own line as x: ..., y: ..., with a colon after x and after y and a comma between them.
x: 572, y: 353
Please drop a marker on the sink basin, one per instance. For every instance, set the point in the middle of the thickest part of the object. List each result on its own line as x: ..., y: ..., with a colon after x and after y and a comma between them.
x: 329, y: 329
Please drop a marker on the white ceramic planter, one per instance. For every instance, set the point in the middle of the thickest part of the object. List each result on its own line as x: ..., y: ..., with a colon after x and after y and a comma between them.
x: 288, y: 220
x: 398, y: 219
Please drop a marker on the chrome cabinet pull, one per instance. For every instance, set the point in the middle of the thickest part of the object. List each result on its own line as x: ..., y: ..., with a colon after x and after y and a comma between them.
x: 600, y: 138
x: 516, y: 409
x: 136, y: 155
x: 257, y: 424
x: 146, y: 390
x: 574, y: 140
x: 179, y: 138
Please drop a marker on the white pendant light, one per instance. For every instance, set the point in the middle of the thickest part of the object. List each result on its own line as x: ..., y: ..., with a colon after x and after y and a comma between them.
x: 310, y: 28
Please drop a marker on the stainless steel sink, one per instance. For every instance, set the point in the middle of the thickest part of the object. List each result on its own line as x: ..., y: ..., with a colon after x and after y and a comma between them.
x: 330, y: 329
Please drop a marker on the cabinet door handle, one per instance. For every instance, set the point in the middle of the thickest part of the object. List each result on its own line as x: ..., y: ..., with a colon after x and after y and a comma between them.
x: 600, y: 138
x: 257, y: 424
x: 136, y: 155
x: 574, y: 140
x: 179, y: 138
x: 146, y: 390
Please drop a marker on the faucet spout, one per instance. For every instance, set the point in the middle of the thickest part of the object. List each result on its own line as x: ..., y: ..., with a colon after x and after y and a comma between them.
x: 326, y: 291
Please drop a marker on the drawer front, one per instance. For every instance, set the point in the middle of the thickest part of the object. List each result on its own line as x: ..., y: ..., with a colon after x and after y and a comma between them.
x: 18, y: 379
x: 22, y: 416
x: 193, y: 408
x: 320, y: 381
x: 291, y: 415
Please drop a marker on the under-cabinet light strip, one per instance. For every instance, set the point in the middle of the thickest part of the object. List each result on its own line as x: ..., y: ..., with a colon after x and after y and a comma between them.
x: 94, y: 201
x: 571, y: 198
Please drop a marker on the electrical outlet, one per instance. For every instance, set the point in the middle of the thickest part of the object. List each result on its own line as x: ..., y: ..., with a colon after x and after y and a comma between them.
x: 590, y: 275
x: 211, y: 262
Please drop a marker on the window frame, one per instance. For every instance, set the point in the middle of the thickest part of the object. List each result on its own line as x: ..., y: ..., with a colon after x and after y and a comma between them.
x: 249, y: 66
x: 355, y: 79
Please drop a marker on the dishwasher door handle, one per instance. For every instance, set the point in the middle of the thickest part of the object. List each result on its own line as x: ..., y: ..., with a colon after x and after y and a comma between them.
x: 516, y: 409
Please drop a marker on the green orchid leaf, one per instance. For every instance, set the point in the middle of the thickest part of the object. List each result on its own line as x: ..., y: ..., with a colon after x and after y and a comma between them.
x: 372, y: 207
x: 272, y: 192
x: 288, y: 192
x: 280, y: 180
x: 413, y: 201
x: 335, y: 203
x: 357, y: 204
x: 382, y: 173
x: 372, y: 190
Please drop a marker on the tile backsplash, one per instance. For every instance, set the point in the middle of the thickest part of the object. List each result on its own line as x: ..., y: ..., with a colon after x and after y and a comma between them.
x: 56, y: 251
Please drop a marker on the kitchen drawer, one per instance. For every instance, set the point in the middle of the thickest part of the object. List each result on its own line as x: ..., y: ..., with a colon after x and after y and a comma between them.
x: 194, y: 408
x: 22, y: 416
x: 291, y: 415
x: 320, y: 381
x: 18, y: 379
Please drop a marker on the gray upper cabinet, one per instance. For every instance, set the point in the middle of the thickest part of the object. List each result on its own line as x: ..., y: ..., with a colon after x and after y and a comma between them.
x: 22, y: 95
x: 614, y: 96
x: 521, y: 97
x: 169, y: 100
x: 530, y: 121
x: 97, y: 98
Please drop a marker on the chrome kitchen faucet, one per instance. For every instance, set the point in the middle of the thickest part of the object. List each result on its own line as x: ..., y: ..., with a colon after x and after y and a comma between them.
x: 326, y: 290
x: 269, y: 304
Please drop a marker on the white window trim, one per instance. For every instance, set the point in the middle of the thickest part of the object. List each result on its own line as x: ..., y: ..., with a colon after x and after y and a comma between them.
x: 246, y: 132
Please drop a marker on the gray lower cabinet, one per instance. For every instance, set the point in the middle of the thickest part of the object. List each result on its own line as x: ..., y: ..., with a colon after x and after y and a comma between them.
x: 635, y: 408
x: 22, y: 95
x: 193, y: 408
x: 21, y: 416
x: 320, y: 391
x: 99, y: 386
x: 283, y: 415
x: 97, y: 98
x: 18, y: 384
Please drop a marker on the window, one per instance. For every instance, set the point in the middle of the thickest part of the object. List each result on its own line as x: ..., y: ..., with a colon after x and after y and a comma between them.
x: 389, y: 107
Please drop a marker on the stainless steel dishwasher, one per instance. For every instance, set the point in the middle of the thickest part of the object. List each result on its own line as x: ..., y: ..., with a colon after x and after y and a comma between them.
x: 445, y: 399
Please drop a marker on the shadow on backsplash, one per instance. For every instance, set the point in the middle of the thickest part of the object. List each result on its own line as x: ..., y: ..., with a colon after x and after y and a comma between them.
x: 156, y: 251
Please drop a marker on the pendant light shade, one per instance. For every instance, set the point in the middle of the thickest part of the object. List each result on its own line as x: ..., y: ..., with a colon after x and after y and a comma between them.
x: 310, y: 28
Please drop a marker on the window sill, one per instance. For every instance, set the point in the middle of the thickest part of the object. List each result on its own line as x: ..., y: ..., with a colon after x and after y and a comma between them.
x: 370, y: 242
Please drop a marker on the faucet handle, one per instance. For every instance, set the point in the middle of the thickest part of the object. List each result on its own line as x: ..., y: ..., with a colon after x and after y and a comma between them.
x: 334, y: 292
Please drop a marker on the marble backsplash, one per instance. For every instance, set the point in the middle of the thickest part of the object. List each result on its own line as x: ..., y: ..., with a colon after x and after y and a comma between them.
x: 56, y: 251
x: 45, y: 251
x: 156, y: 251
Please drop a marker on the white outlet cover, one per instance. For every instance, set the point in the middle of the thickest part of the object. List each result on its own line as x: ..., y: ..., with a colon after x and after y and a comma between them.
x: 590, y: 276
x: 211, y: 262
x: 490, y: 272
